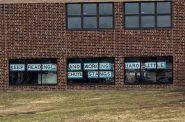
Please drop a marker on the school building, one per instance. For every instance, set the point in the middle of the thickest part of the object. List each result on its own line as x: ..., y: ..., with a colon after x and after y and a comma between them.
x: 84, y: 44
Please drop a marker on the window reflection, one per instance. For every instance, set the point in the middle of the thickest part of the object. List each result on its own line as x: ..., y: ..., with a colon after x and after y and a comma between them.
x: 148, y: 70
x: 35, y: 72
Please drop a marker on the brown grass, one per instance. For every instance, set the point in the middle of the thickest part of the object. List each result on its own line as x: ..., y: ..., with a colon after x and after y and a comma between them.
x: 93, y: 106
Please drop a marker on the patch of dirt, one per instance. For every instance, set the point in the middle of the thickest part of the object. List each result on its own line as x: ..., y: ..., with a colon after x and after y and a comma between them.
x: 30, y: 112
x: 26, y: 109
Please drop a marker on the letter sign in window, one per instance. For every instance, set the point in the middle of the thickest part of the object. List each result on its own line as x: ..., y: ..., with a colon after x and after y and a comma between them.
x: 105, y: 66
x: 150, y: 65
x: 90, y: 66
x: 74, y: 66
x: 49, y: 67
x: 34, y: 67
x: 106, y: 74
x: 17, y: 67
x: 161, y: 65
x: 133, y: 65
x: 75, y: 75
x: 93, y: 74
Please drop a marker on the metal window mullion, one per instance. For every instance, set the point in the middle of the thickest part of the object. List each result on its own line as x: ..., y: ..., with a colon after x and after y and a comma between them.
x: 139, y: 15
x: 156, y: 69
x: 156, y: 15
x: 113, y: 15
x: 98, y: 16
x: 41, y: 74
x: 82, y: 17
x: 140, y: 70
x: 98, y: 68
x: 26, y: 70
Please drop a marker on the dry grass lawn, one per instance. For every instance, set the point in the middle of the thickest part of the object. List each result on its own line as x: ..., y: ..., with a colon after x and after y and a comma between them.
x: 93, y: 106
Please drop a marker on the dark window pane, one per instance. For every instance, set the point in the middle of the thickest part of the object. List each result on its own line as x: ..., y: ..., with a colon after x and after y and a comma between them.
x: 163, y: 7
x: 90, y: 22
x: 106, y: 22
x: 34, y: 78
x: 164, y: 67
x: 163, y: 21
x: 148, y: 70
x: 89, y: 9
x: 147, y: 21
x: 132, y: 22
x: 147, y: 8
x: 105, y: 9
x: 131, y: 8
x: 38, y: 71
x: 17, y: 78
x: 132, y: 70
x: 74, y: 9
x: 164, y: 76
x: 74, y: 22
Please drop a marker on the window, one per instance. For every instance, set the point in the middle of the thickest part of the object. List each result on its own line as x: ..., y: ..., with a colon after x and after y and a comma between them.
x: 89, y: 16
x: 147, y: 15
x: 32, y: 71
x: 148, y: 70
x: 90, y: 70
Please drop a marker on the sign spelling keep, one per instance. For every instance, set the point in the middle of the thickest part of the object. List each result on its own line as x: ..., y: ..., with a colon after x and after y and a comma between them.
x: 17, y: 67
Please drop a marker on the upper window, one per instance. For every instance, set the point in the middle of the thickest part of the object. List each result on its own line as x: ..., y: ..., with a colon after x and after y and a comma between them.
x: 147, y: 15
x: 89, y: 16
x: 33, y: 71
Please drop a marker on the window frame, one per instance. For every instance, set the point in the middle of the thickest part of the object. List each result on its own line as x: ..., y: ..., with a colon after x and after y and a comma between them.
x: 96, y: 58
x: 25, y: 61
x: 140, y: 15
x: 98, y: 16
x: 150, y: 83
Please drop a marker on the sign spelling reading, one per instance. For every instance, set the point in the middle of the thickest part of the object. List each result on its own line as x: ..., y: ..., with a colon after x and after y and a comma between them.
x: 43, y: 67
x: 34, y: 67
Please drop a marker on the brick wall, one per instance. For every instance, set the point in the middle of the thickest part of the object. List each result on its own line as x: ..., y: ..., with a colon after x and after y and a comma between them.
x: 39, y: 31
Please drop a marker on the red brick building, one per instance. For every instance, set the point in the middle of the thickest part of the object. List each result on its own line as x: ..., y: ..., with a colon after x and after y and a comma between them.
x: 79, y: 45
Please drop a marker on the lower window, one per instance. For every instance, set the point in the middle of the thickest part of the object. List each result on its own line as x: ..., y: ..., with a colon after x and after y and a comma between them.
x: 149, y: 70
x: 32, y: 71
x: 90, y: 70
